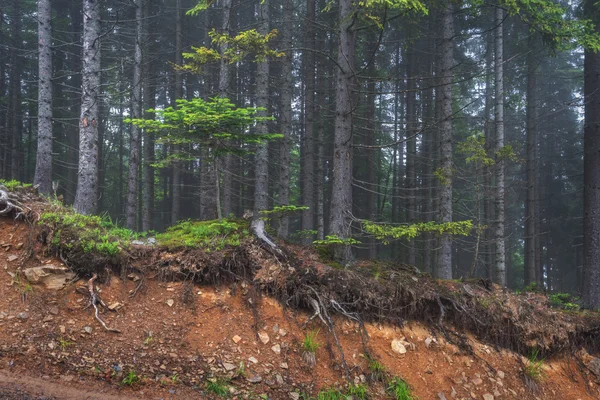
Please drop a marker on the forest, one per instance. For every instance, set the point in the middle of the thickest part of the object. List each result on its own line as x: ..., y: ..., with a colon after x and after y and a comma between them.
x: 459, y: 137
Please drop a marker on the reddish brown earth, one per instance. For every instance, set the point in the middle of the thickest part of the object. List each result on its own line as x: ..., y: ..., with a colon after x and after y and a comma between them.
x: 175, y: 336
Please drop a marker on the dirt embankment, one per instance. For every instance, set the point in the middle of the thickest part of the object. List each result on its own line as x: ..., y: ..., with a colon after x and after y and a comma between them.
x: 193, y: 323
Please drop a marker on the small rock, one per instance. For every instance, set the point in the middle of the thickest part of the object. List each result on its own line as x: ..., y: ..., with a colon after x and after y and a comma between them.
x: 53, y: 310
x: 398, y: 347
x: 228, y: 366
x: 170, y: 302
x: 276, y: 349
x: 264, y: 337
x: 442, y: 396
x: 500, y: 374
x: 279, y: 379
x: 23, y: 316
x: 284, y: 365
x: 488, y: 396
x: 254, y: 379
x: 48, y: 318
x: 275, y: 328
x: 87, y: 329
x: 133, y: 277
x: 594, y: 366
x: 236, y: 339
x: 115, y: 306
x: 12, y: 258
x: 19, y: 246
x: 477, y: 381
x: 253, y: 360
x: 62, y: 328
x: 282, y: 332
x: 294, y: 396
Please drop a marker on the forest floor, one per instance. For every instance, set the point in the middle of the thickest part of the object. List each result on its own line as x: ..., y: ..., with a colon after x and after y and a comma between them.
x: 182, y: 340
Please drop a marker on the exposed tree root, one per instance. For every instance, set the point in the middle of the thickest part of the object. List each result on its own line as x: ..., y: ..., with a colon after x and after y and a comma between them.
x: 10, y: 204
x: 95, y: 300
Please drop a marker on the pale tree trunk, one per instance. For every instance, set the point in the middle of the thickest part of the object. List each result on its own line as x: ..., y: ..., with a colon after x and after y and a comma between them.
x: 16, y: 121
x: 488, y: 171
x: 531, y: 161
x: 149, y: 96
x: 136, y: 113
x: 341, y: 194
x: 591, y: 176
x: 500, y: 270
x: 308, y: 181
x: 176, y: 191
x: 411, y: 142
x: 228, y: 160
x: 43, y: 164
x: 444, y: 264
x: 86, y: 197
x: 372, y: 157
x: 261, y: 188
x: 286, y: 116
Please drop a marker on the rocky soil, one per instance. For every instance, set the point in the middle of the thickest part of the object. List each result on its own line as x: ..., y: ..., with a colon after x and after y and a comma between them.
x: 177, y: 337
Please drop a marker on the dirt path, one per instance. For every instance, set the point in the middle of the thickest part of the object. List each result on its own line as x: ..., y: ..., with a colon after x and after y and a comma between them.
x: 28, y: 388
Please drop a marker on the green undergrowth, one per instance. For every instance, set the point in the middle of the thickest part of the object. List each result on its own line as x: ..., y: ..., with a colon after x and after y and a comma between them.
x: 90, y: 234
x: 211, y: 235
x: 13, y: 184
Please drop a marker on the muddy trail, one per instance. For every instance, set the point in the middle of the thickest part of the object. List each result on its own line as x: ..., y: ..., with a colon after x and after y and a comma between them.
x: 245, y: 322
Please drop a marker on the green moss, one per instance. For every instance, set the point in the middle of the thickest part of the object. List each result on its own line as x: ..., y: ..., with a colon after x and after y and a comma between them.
x: 93, y: 234
x: 208, y: 235
x: 13, y: 184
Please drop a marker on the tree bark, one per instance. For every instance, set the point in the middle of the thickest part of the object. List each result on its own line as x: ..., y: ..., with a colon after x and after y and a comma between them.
x: 136, y: 113
x: 500, y: 270
x: 341, y: 194
x: 176, y: 183
x: 411, y: 142
x: 86, y: 197
x: 531, y: 131
x: 43, y: 165
x: 149, y: 96
x: 286, y: 118
x: 444, y: 264
x: 224, y: 81
x: 309, y: 64
x: 591, y: 175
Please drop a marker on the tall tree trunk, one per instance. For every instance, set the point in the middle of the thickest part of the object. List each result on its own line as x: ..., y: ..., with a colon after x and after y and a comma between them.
x: 591, y: 175
x: 149, y: 96
x: 86, y: 198
x: 15, y: 114
x: 309, y: 64
x: 176, y: 184
x: 444, y: 264
x: 228, y: 160
x: 531, y: 128
x: 500, y: 270
x: 411, y: 142
x: 261, y: 157
x: 136, y: 112
x: 43, y: 165
x: 488, y: 171
x: 286, y: 117
x: 341, y: 194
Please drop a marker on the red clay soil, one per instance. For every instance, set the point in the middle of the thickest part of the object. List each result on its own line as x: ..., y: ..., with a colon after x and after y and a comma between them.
x: 176, y: 336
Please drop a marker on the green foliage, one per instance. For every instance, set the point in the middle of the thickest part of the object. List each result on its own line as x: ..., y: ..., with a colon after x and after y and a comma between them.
x: 376, y: 370
x: 474, y: 148
x: 357, y: 392
x: 335, y: 240
x: 532, y: 287
x: 386, y: 232
x: 92, y: 233
x: 131, y: 379
x: 13, y: 184
x: 218, y: 386
x: 282, y: 211
x: 442, y: 176
x: 507, y: 153
x: 331, y: 394
x: 399, y: 389
x: 548, y: 19
x: 215, y: 124
x: 309, y: 343
x: 236, y: 48
x: 208, y: 235
x: 64, y: 343
x: 564, y: 301
x: 534, y: 367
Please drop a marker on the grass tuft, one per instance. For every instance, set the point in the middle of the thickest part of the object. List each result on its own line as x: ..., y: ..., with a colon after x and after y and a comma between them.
x: 399, y: 389
x: 534, y: 368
